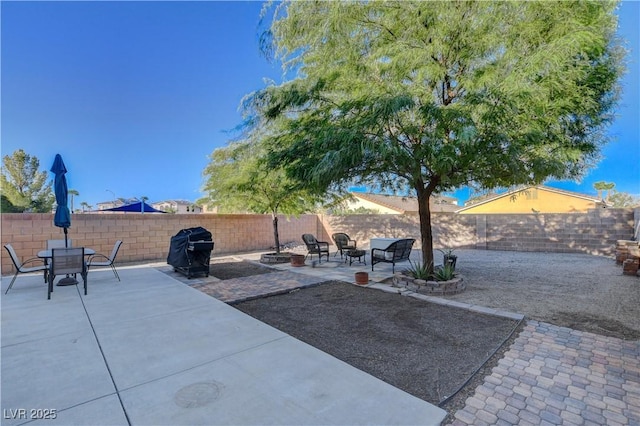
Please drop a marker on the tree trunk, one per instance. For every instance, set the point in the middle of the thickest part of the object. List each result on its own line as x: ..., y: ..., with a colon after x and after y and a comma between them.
x: 276, y: 237
x: 426, y: 237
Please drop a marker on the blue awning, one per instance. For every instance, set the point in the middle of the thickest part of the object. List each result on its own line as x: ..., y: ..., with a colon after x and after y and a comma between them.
x: 134, y: 208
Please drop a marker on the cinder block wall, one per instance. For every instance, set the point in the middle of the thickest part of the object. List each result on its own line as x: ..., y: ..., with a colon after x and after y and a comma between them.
x: 595, y: 232
x: 147, y: 237
x: 448, y: 229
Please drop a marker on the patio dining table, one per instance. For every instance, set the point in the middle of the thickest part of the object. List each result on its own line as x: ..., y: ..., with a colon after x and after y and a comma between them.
x: 46, y: 254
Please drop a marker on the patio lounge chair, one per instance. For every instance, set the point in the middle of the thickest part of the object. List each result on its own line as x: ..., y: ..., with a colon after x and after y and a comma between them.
x: 108, y: 261
x: 21, y: 268
x: 397, y: 251
x: 321, y: 248
x: 344, y: 243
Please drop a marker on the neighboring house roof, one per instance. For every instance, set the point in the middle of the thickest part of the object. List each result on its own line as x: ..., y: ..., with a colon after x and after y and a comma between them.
x: 178, y: 206
x: 519, y: 190
x: 118, y: 202
x: 176, y: 202
x: 406, y: 204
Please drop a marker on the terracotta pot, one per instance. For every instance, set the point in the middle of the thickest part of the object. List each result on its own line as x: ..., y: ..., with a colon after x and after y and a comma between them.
x: 362, y: 278
x: 297, y: 260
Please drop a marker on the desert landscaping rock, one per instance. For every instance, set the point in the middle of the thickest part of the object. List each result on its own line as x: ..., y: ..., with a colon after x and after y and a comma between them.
x: 579, y: 291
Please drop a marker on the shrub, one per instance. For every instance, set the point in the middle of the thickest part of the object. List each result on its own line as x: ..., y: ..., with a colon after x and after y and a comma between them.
x: 444, y: 273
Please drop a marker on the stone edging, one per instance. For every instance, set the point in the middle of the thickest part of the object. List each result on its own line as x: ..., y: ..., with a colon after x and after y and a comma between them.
x: 454, y: 286
x: 445, y: 302
x: 274, y: 258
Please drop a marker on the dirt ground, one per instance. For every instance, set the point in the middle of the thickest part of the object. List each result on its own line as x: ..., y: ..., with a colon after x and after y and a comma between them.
x: 424, y: 349
x: 226, y: 269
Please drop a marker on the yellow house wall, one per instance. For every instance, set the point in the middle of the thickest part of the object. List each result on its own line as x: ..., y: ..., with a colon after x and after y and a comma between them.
x: 538, y: 200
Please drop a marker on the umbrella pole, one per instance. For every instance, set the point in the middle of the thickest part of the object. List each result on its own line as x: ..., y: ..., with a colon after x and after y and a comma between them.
x: 68, y: 280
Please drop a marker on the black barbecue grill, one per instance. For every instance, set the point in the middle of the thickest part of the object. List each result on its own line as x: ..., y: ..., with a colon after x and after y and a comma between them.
x: 190, y: 251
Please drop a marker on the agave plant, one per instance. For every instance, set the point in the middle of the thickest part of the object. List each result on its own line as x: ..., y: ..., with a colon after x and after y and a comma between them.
x: 445, y: 273
x: 419, y: 270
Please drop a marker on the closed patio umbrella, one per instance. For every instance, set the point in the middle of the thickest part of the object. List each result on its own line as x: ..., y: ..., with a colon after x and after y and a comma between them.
x: 62, y: 218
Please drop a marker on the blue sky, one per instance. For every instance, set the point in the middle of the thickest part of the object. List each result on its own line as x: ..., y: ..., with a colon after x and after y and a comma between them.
x: 136, y: 95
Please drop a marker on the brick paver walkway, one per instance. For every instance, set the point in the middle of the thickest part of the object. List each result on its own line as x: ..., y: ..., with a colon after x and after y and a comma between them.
x: 247, y: 288
x: 558, y: 376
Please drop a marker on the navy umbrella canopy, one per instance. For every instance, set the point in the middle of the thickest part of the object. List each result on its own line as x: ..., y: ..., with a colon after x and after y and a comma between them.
x: 62, y: 218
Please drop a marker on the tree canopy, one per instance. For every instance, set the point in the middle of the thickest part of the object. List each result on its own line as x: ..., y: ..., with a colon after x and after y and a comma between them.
x: 238, y: 180
x: 623, y: 199
x: 604, y: 186
x: 438, y: 95
x: 23, y: 187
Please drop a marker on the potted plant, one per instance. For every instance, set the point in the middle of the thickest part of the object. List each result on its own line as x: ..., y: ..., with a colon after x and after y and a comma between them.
x: 449, y: 259
x: 362, y: 278
x: 297, y: 260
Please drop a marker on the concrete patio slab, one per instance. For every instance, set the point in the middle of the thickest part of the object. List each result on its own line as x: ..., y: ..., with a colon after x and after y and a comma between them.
x: 170, y: 343
x: 52, y: 373
x: 151, y: 350
x: 35, y: 315
x: 108, y: 409
x: 262, y: 386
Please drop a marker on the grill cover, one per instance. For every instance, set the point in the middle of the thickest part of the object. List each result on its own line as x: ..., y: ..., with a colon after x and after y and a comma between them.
x: 179, y: 255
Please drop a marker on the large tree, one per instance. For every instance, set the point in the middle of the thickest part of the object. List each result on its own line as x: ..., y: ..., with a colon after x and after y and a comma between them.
x: 238, y: 180
x: 438, y: 95
x: 23, y: 187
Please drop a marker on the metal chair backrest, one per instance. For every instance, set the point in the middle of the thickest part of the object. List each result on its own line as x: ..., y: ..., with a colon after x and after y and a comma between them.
x: 13, y: 256
x: 67, y: 260
x: 114, y: 252
x: 51, y: 244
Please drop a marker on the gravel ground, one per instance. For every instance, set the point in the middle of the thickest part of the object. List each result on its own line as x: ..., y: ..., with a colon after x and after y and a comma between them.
x: 579, y: 291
